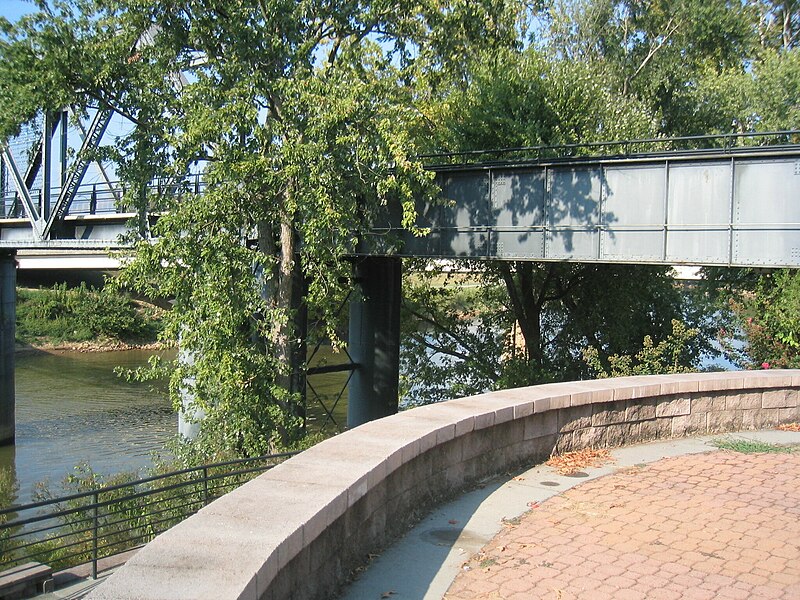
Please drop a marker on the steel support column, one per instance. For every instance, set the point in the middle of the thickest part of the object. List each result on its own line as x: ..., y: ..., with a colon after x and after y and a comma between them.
x: 8, y: 313
x: 374, y: 343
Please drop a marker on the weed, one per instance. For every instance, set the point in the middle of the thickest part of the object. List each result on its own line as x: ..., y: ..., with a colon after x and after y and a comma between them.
x: 752, y: 446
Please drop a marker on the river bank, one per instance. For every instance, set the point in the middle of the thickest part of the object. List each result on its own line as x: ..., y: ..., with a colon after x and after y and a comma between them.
x: 85, y: 319
x: 22, y: 349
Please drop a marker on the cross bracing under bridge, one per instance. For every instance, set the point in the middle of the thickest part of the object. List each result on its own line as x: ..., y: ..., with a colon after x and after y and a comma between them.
x: 705, y: 200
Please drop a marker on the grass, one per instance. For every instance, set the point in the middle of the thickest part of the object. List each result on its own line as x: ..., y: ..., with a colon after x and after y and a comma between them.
x: 62, y: 315
x: 753, y: 447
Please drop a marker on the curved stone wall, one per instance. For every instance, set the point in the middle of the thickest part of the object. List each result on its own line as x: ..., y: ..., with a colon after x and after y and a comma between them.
x: 299, y: 530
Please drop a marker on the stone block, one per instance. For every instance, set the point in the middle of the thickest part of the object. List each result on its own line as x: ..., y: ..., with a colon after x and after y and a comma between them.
x: 590, y: 392
x: 484, y: 420
x: 743, y: 400
x: 509, y: 433
x: 779, y: 398
x: 523, y: 410
x: 541, y: 424
x: 684, y: 425
x: 766, y: 379
x: 708, y: 402
x: 623, y: 434
x: 789, y: 415
x: 589, y: 437
x: 564, y: 443
x: 640, y: 410
x: 672, y: 407
x: 487, y: 409
x: 541, y: 405
x: 165, y: 582
x: 445, y: 434
x: 575, y: 417
x: 555, y: 402
x: 443, y: 414
x: 770, y: 417
x: 608, y: 413
x: 714, y: 382
x: 632, y: 388
x: 752, y: 419
x: 648, y: 430
x: 663, y: 428
x: 678, y: 383
x: 448, y: 454
x: 479, y: 442
x: 725, y: 420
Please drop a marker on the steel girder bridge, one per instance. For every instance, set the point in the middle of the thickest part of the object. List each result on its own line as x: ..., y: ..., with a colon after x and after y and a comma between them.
x: 731, y: 200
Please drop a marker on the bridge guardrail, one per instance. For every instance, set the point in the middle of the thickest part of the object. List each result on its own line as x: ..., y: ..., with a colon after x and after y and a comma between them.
x: 656, y: 146
x: 83, y: 528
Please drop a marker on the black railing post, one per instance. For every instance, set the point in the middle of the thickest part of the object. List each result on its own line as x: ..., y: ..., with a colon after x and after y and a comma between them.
x: 95, y: 527
x: 205, y: 486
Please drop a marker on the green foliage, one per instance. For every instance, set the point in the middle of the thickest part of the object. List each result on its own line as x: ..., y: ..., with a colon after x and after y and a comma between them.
x: 130, y: 511
x: 767, y: 320
x: 700, y: 67
x: 754, y: 447
x: 69, y: 315
x: 8, y: 492
x: 454, y: 335
x: 526, y: 98
x: 528, y: 323
x: 671, y: 355
x: 299, y: 114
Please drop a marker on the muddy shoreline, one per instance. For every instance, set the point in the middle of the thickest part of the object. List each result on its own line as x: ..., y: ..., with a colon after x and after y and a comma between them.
x: 110, y: 346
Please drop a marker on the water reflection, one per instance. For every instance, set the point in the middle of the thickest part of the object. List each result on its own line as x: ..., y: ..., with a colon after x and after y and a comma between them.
x: 72, y: 409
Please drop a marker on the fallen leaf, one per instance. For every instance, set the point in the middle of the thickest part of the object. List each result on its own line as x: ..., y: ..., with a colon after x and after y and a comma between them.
x: 789, y: 427
x: 388, y: 594
x: 533, y: 505
x: 453, y: 522
x: 571, y: 462
x: 520, y: 478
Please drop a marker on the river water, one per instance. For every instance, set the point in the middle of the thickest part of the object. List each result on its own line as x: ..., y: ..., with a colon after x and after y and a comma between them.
x: 72, y: 408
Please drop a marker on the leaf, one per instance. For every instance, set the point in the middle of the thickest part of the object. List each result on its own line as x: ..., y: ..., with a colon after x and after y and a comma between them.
x: 571, y: 462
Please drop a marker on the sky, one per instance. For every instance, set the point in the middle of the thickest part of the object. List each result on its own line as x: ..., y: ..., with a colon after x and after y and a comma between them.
x: 14, y: 9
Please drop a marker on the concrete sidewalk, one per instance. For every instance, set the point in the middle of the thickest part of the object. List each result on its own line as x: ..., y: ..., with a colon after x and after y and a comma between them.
x: 719, y: 525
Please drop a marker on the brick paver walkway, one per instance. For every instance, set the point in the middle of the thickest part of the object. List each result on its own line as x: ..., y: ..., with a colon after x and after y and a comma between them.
x: 715, y: 525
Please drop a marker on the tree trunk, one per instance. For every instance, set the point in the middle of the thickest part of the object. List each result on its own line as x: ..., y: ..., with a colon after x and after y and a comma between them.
x: 526, y: 305
x: 290, y: 334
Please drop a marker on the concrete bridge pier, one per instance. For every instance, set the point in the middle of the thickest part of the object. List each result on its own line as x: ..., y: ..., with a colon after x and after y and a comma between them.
x: 374, y: 343
x: 8, y: 317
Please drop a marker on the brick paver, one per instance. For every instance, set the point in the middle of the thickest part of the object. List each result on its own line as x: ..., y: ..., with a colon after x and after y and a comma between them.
x: 703, y: 526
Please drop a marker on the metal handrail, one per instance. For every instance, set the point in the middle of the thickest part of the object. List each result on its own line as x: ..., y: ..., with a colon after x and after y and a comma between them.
x: 561, y: 149
x: 99, y: 527
x: 193, y: 182
x: 623, y: 143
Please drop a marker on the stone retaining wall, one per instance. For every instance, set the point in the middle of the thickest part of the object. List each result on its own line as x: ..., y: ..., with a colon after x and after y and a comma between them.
x: 300, y: 529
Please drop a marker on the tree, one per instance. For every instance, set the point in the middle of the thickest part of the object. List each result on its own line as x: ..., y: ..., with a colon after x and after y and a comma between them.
x: 524, y: 98
x: 657, y: 50
x: 759, y: 316
x: 671, y: 355
x: 297, y: 114
x: 524, y: 323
